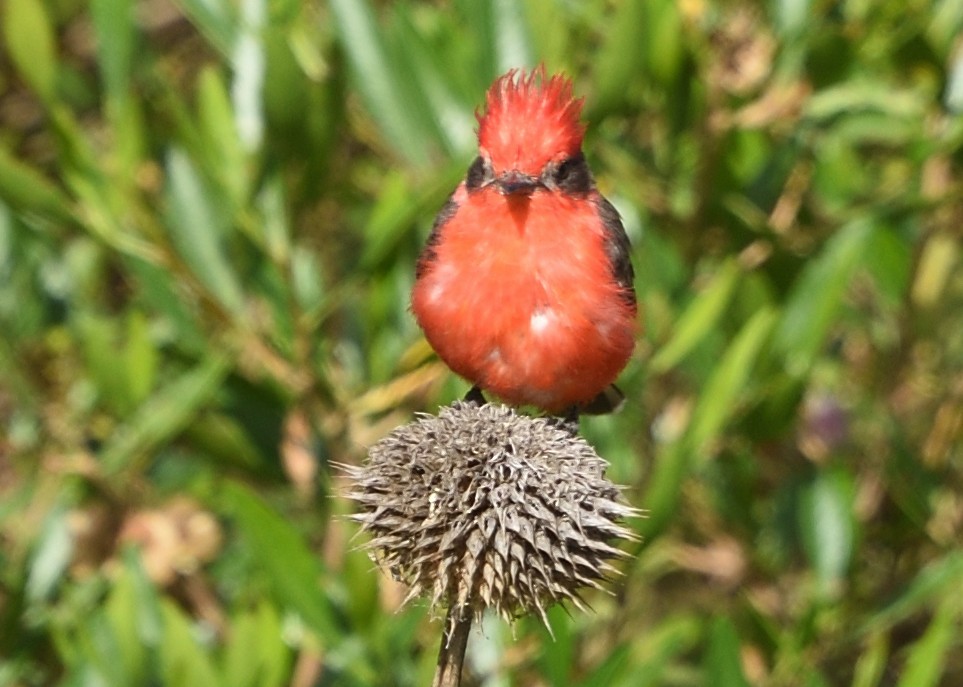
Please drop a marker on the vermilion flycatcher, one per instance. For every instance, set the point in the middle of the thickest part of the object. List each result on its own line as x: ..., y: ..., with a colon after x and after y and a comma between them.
x: 524, y: 287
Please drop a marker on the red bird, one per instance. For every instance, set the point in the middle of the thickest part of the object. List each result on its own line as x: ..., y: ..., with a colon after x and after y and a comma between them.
x: 524, y: 287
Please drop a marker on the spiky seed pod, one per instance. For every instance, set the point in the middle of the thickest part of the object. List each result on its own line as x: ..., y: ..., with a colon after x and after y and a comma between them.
x: 481, y: 507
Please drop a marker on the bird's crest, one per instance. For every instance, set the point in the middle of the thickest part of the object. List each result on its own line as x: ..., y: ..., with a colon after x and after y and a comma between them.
x: 530, y: 119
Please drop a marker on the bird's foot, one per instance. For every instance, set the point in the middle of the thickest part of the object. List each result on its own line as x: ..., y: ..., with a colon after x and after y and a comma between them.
x: 568, y: 421
x: 475, y: 396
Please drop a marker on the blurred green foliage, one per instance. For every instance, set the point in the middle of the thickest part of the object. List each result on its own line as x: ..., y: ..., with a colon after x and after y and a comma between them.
x: 209, y: 218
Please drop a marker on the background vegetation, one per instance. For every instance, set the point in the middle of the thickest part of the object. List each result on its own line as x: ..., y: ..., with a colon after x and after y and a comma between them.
x: 209, y: 217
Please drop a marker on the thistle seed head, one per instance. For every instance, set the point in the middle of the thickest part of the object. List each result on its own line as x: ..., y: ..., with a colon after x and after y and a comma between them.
x: 481, y: 507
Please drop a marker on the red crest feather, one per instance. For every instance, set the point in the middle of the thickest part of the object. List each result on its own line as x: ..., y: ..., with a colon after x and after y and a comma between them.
x: 530, y: 119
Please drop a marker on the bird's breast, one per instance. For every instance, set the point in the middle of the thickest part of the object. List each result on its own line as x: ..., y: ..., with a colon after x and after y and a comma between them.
x: 520, y: 294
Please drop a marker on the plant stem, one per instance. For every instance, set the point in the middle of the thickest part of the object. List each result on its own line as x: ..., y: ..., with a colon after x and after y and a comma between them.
x: 454, y: 641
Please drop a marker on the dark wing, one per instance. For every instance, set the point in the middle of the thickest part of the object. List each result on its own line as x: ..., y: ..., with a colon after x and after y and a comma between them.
x: 618, y: 248
x: 448, y: 211
x: 609, y: 400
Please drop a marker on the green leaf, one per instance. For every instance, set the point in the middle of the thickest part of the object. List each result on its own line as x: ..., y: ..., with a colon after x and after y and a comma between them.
x: 558, y: 648
x: 134, y: 620
x: 828, y: 527
x: 248, y: 61
x: 723, y: 664
x: 198, y: 226
x: 97, y: 335
x: 294, y: 571
x: 222, y: 437
x: 817, y: 297
x: 670, y: 468
x: 699, y: 318
x: 256, y: 653
x: 453, y: 122
x: 864, y: 95
x: 114, y: 26
x: 274, y: 226
x: 30, y: 43
x: 27, y: 190
x: 149, y: 623
x: 51, y: 557
x: 387, y: 93
x: 307, y: 281
x: 890, y: 261
x: 665, y: 45
x: 791, y: 15
x: 656, y: 653
x: 872, y: 663
x: 619, y: 61
x: 942, y: 577
x: 718, y: 397
x: 165, y: 413
x: 391, y: 216
x: 927, y: 658
x: 611, y: 670
x: 182, y: 660
x: 216, y: 19
x: 223, y: 151
x: 512, y: 42
x: 140, y: 358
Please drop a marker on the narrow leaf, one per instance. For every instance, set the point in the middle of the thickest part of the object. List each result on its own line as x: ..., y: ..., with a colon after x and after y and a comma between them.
x: 817, y: 297
x: 699, y: 318
x: 723, y: 666
x: 165, y: 413
x: 215, y: 19
x: 942, y: 577
x: 718, y: 397
x: 54, y: 549
x: 828, y: 528
x: 114, y: 25
x: 293, y: 570
x: 197, y: 225
x: 513, y: 46
x: 27, y: 190
x: 381, y: 86
x: 927, y: 658
x: 248, y: 60
x: 30, y: 43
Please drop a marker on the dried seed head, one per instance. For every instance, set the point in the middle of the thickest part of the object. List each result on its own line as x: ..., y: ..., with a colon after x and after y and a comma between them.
x: 481, y: 507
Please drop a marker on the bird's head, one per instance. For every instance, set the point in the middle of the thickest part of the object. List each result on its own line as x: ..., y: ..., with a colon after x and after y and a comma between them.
x: 529, y: 129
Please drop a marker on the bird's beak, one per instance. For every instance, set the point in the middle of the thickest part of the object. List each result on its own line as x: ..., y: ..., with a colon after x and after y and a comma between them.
x: 515, y: 183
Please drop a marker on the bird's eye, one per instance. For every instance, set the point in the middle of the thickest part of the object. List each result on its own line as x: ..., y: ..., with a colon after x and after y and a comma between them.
x: 479, y: 173
x: 572, y: 175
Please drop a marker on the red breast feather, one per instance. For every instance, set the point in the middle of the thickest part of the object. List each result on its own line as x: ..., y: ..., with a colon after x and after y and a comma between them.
x: 521, y: 301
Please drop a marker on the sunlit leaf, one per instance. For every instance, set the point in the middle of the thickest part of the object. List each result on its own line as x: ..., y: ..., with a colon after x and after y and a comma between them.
x: 928, y: 656
x: 293, y: 570
x: 50, y: 559
x: 164, y: 414
x: 828, y: 527
x: 817, y: 296
x: 30, y: 43
x: 699, y: 318
x: 723, y: 659
x: 27, y: 190
x: 717, y: 399
x: 386, y: 92
x: 198, y: 228
x: 114, y: 24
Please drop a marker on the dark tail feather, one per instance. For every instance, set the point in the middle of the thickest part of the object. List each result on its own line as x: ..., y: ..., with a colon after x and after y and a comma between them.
x: 609, y: 400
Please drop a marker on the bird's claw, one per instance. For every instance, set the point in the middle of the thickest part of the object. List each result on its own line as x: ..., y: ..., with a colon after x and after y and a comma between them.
x: 475, y: 396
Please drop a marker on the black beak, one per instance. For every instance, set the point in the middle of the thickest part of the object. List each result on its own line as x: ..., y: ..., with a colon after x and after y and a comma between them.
x: 515, y: 183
